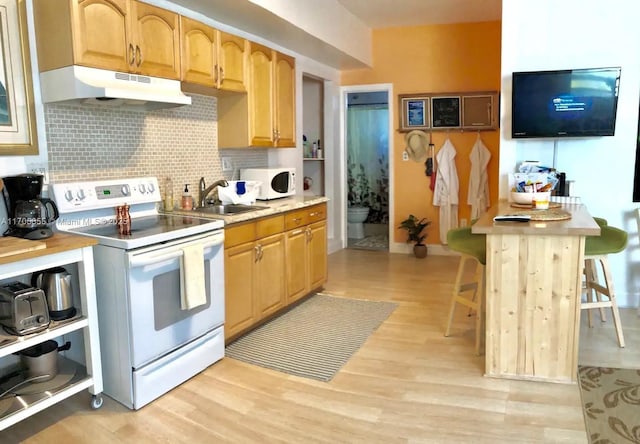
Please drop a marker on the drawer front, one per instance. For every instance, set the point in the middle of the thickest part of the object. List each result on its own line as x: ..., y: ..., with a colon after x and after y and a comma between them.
x: 269, y: 226
x: 239, y: 234
x: 295, y: 219
x: 316, y: 213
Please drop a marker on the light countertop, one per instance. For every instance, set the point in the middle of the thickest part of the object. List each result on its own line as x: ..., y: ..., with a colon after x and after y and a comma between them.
x: 580, y: 224
x: 274, y: 206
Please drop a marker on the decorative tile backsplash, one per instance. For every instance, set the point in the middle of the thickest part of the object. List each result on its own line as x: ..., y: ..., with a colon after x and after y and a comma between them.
x: 87, y: 143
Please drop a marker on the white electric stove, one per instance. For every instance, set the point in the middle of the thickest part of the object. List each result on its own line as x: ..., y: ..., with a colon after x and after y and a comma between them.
x: 149, y: 343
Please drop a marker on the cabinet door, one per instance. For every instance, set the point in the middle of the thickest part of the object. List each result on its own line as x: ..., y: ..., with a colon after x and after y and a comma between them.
x: 232, y: 61
x: 260, y: 96
x: 240, y: 305
x: 317, y: 249
x: 285, y: 101
x: 198, y: 52
x: 156, y: 33
x: 100, y: 34
x: 270, y: 277
x: 297, y: 264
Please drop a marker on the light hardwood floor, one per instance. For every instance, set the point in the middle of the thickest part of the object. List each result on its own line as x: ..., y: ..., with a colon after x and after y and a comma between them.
x: 407, y: 384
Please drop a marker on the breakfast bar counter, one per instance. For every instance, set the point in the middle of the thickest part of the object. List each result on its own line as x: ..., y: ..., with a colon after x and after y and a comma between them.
x: 533, y: 291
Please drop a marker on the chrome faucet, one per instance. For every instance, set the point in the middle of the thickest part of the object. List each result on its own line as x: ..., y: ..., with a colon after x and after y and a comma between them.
x: 204, y: 191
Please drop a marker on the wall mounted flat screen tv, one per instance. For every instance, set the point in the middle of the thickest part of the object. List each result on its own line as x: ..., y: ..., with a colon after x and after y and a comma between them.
x: 566, y: 103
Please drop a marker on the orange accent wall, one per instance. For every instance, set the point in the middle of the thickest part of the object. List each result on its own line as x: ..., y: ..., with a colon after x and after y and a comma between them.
x: 432, y: 59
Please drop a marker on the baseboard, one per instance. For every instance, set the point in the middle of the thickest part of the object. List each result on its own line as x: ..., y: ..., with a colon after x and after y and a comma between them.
x: 432, y: 249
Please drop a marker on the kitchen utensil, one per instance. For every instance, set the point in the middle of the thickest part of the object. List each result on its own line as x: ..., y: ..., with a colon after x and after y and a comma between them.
x: 42, y: 359
x: 23, y: 309
x: 39, y: 378
x: 28, y: 214
x: 56, y: 284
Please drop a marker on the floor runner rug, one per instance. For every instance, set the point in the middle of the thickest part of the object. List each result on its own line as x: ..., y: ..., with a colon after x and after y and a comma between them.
x: 611, y: 404
x: 315, y: 338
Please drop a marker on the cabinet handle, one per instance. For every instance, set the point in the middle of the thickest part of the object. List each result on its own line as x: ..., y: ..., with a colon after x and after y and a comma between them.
x: 314, y: 214
x: 293, y: 233
x: 132, y: 54
x: 297, y: 220
x: 257, y: 249
x: 221, y: 74
x: 215, y: 74
x: 138, y: 56
x: 309, y: 234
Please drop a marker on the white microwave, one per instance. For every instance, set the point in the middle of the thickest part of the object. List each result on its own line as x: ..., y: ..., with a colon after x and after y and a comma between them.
x: 275, y: 182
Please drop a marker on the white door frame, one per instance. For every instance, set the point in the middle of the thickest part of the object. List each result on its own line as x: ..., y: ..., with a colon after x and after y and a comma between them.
x: 344, y: 91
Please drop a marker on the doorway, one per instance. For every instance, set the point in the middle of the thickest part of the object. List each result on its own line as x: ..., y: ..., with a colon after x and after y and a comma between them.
x: 367, y: 118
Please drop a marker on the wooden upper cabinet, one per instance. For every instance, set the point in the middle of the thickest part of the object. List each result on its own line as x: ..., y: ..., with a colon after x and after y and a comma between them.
x: 119, y: 35
x: 261, y: 102
x: 271, y: 98
x: 156, y: 33
x: 101, y: 34
x: 199, y: 54
x: 232, y: 62
x: 211, y: 58
x: 285, y: 98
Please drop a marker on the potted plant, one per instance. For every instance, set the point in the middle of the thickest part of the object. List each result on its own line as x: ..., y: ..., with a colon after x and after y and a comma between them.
x: 414, y: 228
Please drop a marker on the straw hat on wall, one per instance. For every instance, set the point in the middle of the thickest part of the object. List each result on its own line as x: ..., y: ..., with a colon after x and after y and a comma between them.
x: 417, y: 143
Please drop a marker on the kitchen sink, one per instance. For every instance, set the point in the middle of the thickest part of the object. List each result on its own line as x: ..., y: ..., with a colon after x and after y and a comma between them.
x: 229, y: 209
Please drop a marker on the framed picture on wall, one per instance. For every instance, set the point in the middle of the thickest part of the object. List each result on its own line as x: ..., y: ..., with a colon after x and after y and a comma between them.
x: 445, y: 112
x: 414, y: 112
x: 17, y: 109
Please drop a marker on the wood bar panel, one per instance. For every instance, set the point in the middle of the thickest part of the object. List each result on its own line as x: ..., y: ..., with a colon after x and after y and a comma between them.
x: 533, y: 291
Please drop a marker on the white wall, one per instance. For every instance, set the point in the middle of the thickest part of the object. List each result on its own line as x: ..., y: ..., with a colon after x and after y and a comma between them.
x: 551, y: 34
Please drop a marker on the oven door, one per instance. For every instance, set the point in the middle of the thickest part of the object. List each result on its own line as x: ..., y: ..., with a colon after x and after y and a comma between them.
x: 158, y: 324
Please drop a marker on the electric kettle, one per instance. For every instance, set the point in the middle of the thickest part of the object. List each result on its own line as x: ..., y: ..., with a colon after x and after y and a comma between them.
x: 56, y: 284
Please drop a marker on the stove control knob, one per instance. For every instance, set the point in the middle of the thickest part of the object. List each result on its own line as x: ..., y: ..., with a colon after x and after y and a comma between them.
x: 151, y: 188
x: 81, y: 195
x: 68, y: 195
x: 142, y: 188
x: 125, y: 190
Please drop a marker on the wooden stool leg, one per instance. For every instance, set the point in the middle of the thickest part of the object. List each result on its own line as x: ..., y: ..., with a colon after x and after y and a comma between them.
x: 589, y: 277
x: 480, y: 278
x: 594, y: 278
x: 608, y: 279
x: 456, y: 293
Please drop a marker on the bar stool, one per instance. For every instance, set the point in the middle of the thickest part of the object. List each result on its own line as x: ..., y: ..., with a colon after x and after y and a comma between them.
x: 472, y: 247
x: 597, y: 248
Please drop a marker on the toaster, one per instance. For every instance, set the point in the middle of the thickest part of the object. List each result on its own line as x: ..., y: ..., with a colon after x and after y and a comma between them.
x: 23, y: 308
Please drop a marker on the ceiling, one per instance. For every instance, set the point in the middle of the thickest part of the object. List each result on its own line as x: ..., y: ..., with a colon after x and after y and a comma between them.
x: 388, y: 13
x: 249, y: 15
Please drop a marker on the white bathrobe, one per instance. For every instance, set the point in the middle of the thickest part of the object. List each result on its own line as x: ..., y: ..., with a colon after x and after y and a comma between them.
x: 445, y: 195
x: 478, y: 196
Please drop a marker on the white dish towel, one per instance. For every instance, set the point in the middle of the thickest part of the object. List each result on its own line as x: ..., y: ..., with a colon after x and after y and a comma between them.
x: 192, y: 287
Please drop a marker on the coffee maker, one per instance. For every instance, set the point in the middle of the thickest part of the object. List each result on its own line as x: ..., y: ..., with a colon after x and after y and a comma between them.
x: 29, y: 215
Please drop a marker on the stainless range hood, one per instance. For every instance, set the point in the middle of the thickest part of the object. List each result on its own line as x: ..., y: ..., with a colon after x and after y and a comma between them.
x: 91, y: 86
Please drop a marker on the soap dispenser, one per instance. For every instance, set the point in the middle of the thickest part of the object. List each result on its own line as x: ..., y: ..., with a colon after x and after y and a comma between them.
x: 187, y: 200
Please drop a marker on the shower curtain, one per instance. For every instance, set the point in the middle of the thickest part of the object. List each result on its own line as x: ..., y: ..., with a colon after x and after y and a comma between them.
x: 367, y: 163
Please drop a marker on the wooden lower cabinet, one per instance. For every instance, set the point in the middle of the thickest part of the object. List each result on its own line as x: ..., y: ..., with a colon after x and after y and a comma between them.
x: 254, y: 273
x: 240, y: 304
x: 270, y: 275
x: 268, y: 268
x: 306, y: 260
x: 317, y: 253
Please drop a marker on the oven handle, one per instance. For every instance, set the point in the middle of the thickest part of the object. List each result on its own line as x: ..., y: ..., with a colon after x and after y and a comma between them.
x: 150, y: 258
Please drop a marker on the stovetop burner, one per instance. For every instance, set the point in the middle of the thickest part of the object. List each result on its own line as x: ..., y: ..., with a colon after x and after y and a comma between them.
x: 88, y: 209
